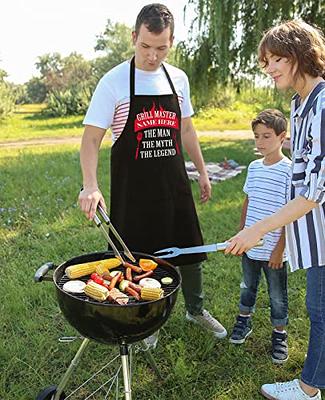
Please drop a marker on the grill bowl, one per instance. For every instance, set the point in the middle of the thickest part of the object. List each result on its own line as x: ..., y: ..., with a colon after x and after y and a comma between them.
x: 113, y: 323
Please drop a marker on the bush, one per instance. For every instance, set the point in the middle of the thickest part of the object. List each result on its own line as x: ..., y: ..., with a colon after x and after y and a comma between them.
x: 72, y: 101
x: 7, y: 99
x: 36, y: 90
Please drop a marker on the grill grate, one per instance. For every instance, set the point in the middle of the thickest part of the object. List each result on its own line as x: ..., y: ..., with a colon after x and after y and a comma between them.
x: 159, y: 273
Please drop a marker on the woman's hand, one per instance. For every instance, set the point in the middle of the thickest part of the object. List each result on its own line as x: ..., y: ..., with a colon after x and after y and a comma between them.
x: 88, y: 201
x: 244, y: 240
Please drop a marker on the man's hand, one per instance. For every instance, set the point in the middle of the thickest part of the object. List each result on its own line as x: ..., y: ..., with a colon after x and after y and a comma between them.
x: 88, y: 201
x: 205, y: 187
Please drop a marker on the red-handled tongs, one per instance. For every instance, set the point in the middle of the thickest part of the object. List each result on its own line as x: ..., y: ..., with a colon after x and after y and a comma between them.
x: 99, y: 224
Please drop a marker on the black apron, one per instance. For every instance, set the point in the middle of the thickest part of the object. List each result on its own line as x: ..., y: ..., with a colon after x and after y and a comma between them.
x: 151, y: 200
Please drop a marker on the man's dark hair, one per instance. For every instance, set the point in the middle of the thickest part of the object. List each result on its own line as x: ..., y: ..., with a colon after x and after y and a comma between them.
x: 273, y: 119
x: 156, y: 18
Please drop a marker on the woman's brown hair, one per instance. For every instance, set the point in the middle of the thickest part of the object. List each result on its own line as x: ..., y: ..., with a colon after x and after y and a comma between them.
x: 301, y: 43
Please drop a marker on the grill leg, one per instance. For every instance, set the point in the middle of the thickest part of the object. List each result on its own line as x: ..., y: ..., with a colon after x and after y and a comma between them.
x: 152, y: 363
x: 124, y: 351
x: 70, y: 369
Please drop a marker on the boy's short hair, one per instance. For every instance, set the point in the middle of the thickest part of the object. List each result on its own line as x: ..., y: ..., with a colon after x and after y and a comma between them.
x: 156, y: 18
x: 273, y: 119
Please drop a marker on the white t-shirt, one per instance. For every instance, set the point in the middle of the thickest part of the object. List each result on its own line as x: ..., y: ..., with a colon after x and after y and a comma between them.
x: 267, y: 188
x: 110, y: 103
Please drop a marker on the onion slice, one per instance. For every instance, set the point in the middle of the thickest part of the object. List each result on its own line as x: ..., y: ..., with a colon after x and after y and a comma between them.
x: 74, y: 286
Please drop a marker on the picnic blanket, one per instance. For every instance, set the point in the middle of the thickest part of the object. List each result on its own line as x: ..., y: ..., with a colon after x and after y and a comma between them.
x: 216, y: 171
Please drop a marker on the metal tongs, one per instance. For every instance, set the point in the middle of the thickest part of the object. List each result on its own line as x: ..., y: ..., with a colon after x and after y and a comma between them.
x: 99, y: 224
x: 176, y: 251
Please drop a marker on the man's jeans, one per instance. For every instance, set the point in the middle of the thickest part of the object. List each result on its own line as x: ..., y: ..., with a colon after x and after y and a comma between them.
x: 313, y: 373
x: 192, y: 287
x: 277, y: 288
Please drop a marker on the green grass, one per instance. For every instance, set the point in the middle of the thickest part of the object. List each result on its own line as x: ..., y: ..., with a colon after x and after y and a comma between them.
x: 236, y: 117
x: 28, y: 123
x: 229, y: 110
x: 40, y: 221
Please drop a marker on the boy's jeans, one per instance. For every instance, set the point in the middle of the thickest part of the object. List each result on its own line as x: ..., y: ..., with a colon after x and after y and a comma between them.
x: 313, y: 373
x: 277, y: 288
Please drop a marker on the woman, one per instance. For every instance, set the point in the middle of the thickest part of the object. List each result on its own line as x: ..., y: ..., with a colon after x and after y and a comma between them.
x: 293, y: 54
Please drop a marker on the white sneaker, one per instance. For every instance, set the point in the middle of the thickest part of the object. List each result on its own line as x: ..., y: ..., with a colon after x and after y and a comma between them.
x: 206, y: 321
x: 150, y: 342
x: 287, y: 391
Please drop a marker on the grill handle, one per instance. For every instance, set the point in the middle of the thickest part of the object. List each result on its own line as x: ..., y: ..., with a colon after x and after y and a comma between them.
x: 40, y: 274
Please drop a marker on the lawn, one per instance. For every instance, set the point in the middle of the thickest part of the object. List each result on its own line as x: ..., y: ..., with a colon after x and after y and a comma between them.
x: 28, y: 123
x: 40, y: 221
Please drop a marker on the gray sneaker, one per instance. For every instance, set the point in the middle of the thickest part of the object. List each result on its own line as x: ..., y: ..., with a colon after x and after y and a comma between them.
x: 206, y: 321
x: 242, y: 329
x: 279, y: 347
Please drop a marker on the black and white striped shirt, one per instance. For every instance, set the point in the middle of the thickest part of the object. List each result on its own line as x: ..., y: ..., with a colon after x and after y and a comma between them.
x: 306, y: 237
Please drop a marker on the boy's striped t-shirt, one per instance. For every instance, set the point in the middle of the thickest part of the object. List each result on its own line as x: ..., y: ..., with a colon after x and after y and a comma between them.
x: 267, y: 188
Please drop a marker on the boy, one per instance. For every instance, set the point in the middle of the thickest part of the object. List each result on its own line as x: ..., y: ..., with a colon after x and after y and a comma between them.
x: 266, y: 189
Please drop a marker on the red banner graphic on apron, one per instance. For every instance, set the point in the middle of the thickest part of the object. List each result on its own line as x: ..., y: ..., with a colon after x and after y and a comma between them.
x: 156, y: 131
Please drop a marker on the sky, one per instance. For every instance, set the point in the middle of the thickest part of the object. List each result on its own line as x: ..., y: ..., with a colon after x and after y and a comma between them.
x: 30, y: 28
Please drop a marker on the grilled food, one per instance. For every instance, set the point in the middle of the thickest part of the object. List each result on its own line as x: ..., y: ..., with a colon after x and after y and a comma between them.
x: 151, y: 293
x: 96, y: 291
x: 74, y: 286
x: 105, y: 265
x: 147, y: 264
x: 118, y: 297
x: 78, y: 270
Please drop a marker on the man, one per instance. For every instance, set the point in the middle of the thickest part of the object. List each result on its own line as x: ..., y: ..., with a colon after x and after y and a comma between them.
x: 147, y: 106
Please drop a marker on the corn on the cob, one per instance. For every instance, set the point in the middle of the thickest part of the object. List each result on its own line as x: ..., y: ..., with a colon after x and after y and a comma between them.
x: 105, y: 265
x: 96, y: 291
x: 78, y: 270
x: 151, y: 293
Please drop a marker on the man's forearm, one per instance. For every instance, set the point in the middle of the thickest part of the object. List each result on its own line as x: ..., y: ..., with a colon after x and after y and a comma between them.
x: 194, y: 152
x: 89, y: 159
x: 192, y: 146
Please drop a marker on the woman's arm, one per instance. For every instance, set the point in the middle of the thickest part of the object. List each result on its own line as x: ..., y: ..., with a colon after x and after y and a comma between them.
x: 248, y: 238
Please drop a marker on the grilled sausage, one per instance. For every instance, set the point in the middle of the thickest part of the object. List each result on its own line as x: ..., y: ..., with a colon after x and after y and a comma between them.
x: 114, y: 280
x: 134, y: 268
x: 139, y: 277
x: 132, y: 292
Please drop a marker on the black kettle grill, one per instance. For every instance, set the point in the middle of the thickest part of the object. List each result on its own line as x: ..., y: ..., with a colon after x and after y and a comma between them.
x: 106, y: 322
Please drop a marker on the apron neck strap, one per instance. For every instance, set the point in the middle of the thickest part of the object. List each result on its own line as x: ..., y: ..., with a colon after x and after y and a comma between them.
x: 132, y: 80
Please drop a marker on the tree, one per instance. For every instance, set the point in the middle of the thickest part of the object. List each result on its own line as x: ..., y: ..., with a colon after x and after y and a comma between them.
x: 68, y: 81
x: 36, y: 90
x: 225, y: 34
x: 7, y: 96
x: 117, y: 45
